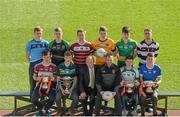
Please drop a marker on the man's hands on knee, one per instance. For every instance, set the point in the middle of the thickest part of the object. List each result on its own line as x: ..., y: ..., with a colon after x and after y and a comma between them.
x: 63, y: 91
x: 82, y: 95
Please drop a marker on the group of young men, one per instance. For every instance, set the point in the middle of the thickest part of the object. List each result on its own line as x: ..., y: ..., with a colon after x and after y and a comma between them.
x: 85, y: 71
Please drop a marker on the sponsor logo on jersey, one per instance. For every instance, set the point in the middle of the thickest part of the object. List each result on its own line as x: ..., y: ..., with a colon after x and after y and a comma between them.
x: 103, y: 45
x: 81, y: 48
x: 130, y: 46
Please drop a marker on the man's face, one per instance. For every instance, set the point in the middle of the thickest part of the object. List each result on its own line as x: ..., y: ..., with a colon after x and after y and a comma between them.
x: 47, y: 58
x: 89, y: 62
x: 150, y: 60
x: 81, y: 35
x: 103, y: 34
x: 126, y: 35
x: 38, y: 34
x: 68, y: 59
x: 148, y: 35
x: 109, y: 60
x: 58, y: 35
x: 129, y: 62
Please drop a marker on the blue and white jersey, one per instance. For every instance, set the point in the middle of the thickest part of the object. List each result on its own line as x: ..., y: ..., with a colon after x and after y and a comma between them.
x: 150, y: 74
x: 35, y: 49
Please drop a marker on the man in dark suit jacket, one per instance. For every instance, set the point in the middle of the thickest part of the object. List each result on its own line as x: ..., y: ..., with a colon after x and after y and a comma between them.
x: 87, y: 85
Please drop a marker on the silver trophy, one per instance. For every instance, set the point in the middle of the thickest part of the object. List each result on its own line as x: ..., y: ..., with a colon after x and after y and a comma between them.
x: 129, y: 87
x: 148, y: 85
x: 45, y: 79
x: 66, y: 83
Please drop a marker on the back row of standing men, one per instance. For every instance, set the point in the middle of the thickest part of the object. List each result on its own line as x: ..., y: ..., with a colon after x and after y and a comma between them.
x: 125, y: 47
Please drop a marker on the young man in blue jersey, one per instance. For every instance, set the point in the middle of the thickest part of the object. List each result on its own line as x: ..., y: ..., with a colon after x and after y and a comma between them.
x: 150, y: 78
x: 34, y: 49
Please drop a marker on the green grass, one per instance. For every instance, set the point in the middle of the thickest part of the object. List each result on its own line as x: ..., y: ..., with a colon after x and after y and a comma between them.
x: 18, y: 18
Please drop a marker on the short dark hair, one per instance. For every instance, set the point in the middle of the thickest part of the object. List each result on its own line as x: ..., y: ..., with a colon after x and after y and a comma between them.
x: 67, y: 53
x: 129, y: 57
x: 58, y: 29
x: 38, y: 28
x: 147, y: 29
x: 103, y: 28
x: 126, y: 29
x: 150, y: 55
x: 81, y: 30
x: 46, y: 52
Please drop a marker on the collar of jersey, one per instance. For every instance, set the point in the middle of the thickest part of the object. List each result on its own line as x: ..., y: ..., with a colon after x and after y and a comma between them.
x: 80, y: 43
x: 60, y: 42
x: 37, y: 41
x: 148, y: 67
x: 67, y: 66
x: 45, y: 65
x: 124, y: 41
x: 128, y: 69
x: 103, y: 40
x: 151, y: 42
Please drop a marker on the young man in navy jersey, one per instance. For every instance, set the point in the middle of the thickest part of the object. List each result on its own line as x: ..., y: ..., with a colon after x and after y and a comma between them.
x: 34, y: 49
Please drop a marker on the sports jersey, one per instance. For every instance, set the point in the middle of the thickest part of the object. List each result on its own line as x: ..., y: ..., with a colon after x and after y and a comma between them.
x: 80, y: 52
x: 108, y: 78
x: 129, y: 75
x: 125, y: 49
x: 66, y: 71
x: 150, y: 74
x: 108, y: 45
x: 58, y: 50
x: 69, y: 71
x: 35, y: 49
x: 143, y: 49
x: 41, y: 70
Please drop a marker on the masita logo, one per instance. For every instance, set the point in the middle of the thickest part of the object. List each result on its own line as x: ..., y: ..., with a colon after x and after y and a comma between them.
x: 81, y: 48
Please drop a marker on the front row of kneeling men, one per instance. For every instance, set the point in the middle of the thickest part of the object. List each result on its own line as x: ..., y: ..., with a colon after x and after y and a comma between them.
x: 96, y: 84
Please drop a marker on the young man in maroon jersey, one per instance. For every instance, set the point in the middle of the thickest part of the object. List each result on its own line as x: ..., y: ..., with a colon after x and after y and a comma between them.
x: 44, y: 70
x: 81, y: 49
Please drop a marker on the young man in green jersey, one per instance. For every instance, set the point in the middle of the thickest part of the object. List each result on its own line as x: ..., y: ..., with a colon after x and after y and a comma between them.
x: 129, y: 83
x: 125, y: 46
x: 67, y: 83
x: 58, y: 47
